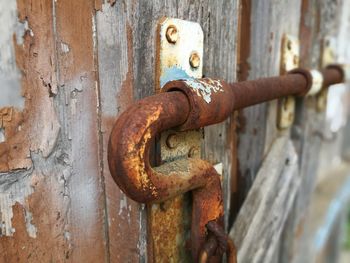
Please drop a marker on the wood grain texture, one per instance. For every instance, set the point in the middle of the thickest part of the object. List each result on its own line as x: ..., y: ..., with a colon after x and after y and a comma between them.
x: 83, y: 62
x: 57, y: 203
x: 115, y: 34
x: 35, y: 64
x: 259, y: 224
x: 268, y: 21
x: 317, y: 21
x: 31, y: 199
x: 127, y: 72
x: 78, y: 103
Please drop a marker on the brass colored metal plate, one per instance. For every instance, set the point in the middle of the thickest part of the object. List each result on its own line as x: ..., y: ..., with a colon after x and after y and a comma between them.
x: 328, y: 57
x: 289, y: 61
x: 179, y: 56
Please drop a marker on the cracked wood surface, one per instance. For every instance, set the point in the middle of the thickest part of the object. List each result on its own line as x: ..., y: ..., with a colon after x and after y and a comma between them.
x: 79, y: 65
x: 259, y: 223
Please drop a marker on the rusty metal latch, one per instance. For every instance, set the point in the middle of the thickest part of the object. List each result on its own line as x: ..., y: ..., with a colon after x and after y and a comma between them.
x: 185, y: 105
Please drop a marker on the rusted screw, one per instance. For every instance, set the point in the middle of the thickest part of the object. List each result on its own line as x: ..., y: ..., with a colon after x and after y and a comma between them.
x: 172, y: 34
x: 194, y: 151
x: 195, y: 60
x: 172, y: 141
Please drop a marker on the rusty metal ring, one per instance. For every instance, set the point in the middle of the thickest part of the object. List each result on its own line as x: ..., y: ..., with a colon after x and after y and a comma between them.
x: 218, y: 242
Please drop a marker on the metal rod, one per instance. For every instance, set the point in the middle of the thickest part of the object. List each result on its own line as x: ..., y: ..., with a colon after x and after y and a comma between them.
x: 189, y: 104
x: 248, y: 93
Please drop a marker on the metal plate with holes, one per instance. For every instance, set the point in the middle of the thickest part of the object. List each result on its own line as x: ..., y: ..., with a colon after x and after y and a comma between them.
x: 346, y: 69
x: 179, y: 56
x: 289, y: 61
x: 328, y: 57
x: 180, y: 50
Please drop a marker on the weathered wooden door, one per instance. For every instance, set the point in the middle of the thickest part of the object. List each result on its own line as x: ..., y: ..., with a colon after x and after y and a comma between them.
x: 68, y: 69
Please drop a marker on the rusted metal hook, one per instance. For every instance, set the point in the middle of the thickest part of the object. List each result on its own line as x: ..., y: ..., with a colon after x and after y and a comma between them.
x: 128, y: 157
x: 188, y: 104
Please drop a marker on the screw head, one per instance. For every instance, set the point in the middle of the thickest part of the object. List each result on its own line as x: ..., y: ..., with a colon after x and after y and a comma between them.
x: 193, y: 152
x: 172, y: 141
x: 195, y: 60
x: 172, y: 35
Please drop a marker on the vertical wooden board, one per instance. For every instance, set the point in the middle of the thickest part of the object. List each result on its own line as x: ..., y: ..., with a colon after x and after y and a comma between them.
x: 317, y: 21
x: 220, y: 25
x: 259, y: 224
x: 127, y: 63
x: 115, y: 35
x: 78, y: 104
x: 263, y: 25
x: 32, y: 205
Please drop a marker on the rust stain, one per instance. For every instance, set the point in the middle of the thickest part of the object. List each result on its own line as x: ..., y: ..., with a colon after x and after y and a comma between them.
x: 129, y: 158
x: 309, y: 28
x: 165, y: 233
x: 232, y: 139
x: 126, y: 94
x: 123, y: 213
x: 243, y: 49
x: 305, y: 34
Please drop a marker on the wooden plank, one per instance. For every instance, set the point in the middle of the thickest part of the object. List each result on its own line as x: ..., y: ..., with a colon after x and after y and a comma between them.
x: 78, y: 102
x: 126, y: 37
x: 263, y: 25
x: 116, y: 53
x: 32, y: 206
x: 56, y: 206
x: 259, y: 224
x: 317, y: 21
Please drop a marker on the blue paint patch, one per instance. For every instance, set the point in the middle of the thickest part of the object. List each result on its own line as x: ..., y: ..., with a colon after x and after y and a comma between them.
x: 334, y: 209
x: 173, y: 73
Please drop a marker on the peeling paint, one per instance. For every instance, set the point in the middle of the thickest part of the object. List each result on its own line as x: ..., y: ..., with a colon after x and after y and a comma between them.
x: 64, y: 47
x: 205, y: 89
x: 15, y: 188
x: 2, y: 135
x: 31, y: 229
x: 9, y: 75
x: 173, y: 73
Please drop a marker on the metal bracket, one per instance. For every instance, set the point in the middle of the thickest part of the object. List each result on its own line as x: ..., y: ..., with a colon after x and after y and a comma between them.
x: 289, y: 61
x: 328, y: 57
x: 346, y: 69
x: 179, y: 56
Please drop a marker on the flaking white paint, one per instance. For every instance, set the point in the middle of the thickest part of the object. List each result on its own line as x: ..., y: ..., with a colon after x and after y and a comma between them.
x: 15, y: 188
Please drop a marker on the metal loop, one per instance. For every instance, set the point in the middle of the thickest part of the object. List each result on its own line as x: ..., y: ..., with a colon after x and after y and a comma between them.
x: 218, y: 242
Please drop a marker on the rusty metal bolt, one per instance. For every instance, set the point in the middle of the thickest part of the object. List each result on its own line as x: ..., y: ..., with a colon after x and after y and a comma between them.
x: 193, y: 152
x: 195, y: 60
x: 172, y: 35
x: 172, y: 141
